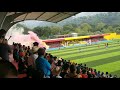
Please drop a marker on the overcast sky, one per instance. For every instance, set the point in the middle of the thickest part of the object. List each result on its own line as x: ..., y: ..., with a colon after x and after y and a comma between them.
x: 87, y: 14
x: 32, y: 23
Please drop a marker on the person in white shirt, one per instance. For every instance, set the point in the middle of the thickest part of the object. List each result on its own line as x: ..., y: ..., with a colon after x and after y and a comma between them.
x: 56, y: 72
x: 33, y: 57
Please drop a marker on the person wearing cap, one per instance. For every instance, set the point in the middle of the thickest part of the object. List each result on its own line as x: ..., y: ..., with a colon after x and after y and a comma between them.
x: 35, y: 45
x: 42, y: 64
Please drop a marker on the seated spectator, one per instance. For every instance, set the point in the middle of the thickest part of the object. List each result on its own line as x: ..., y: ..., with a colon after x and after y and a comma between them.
x: 103, y: 75
x: 115, y: 76
x: 84, y: 73
x: 7, y: 70
x: 98, y: 74
x: 89, y: 74
x: 84, y: 65
x: 16, y: 54
x: 110, y: 76
x: 72, y: 73
x: 78, y: 68
x: 56, y: 72
x: 59, y: 63
x: 65, y: 70
x: 107, y: 75
x: 21, y: 67
x: 95, y: 73
x: 92, y: 72
x: 5, y: 41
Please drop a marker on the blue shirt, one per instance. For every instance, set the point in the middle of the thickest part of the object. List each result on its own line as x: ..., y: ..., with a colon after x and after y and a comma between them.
x: 44, y: 65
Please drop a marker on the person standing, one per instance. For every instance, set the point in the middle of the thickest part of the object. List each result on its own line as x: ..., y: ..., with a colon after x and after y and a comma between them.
x: 42, y: 64
x: 98, y: 46
x: 5, y: 49
x: 107, y: 45
x: 2, y: 33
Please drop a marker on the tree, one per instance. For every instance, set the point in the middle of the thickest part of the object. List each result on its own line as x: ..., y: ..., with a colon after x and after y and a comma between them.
x: 77, y: 30
x: 39, y: 31
x: 117, y: 29
x: 98, y: 32
x: 86, y: 27
x: 26, y: 29
x: 110, y: 28
x: 68, y: 29
x: 106, y: 30
x: 55, y: 30
x: 100, y: 26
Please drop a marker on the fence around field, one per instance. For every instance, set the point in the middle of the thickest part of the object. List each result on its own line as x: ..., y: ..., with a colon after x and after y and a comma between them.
x: 76, y: 45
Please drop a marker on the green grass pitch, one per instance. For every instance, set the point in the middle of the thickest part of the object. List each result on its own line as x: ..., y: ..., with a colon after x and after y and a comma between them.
x: 99, y: 58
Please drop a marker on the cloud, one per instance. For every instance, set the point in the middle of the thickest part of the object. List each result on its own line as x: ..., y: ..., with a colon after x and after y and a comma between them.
x: 87, y: 14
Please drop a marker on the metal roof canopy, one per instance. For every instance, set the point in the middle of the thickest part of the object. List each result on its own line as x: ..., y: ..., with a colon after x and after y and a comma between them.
x: 44, y: 16
x: 8, y: 19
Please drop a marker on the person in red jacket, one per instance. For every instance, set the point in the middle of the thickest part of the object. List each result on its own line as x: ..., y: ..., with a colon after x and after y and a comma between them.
x: 84, y: 73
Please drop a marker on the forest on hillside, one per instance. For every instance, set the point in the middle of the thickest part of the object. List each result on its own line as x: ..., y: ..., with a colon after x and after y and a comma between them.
x: 86, y: 25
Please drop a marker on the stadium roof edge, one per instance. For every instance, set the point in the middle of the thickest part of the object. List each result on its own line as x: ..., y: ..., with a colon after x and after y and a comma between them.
x: 8, y: 19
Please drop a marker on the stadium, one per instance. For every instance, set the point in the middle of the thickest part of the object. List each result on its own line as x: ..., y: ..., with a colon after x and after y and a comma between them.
x: 95, y: 55
x: 80, y: 47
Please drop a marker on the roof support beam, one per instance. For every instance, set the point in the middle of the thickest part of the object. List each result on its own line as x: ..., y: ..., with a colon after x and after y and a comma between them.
x: 67, y: 13
x: 10, y: 19
x: 40, y: 15
x: 3, y: 20
x: 25, y: 17
x: 53, y: 16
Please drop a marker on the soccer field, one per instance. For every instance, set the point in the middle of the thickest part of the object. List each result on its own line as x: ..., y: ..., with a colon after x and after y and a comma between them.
x: 100, y: 58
